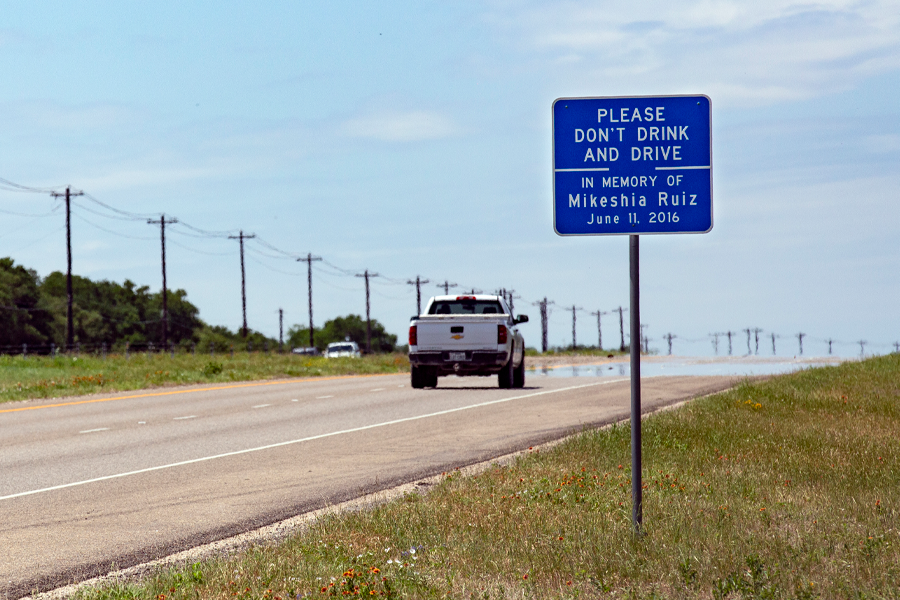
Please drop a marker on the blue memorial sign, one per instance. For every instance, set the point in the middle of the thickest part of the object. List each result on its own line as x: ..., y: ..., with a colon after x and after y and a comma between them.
x: 626, y: 166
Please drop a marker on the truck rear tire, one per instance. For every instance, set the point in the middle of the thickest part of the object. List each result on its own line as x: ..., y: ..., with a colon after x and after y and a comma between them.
x: 519, y: 375
x: 505, y: 376
x: 431, y: 379
x: 416, y: 377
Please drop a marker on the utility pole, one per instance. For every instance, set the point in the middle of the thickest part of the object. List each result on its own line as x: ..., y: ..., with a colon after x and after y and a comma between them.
x: 446, y: 285
x: 715, y: 337
x: 309, y: 261
x: 800, y: 337
x: 669, y: 337
x: 241, y: 237
x: 366, y: 275
x: 542, y: 305
x: 756, y: 332
x: 599, y: 313
x: 748, y: 332
x: 862, y: 348
x: 644, y: 340
x: 574, y: 339
x: 418, y: 283
x: 280, y: 331
x: 510, y: 298
x: 165, y: 302
x: 621, y: 328
x: 729, y: 334
x: 829, y: 345
x: 896, y: 346
x: 773, y: 344
x: 70, y: 326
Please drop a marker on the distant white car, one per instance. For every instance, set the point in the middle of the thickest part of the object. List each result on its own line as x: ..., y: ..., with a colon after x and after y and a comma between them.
x: 308, y: 351
x: 342, y: 350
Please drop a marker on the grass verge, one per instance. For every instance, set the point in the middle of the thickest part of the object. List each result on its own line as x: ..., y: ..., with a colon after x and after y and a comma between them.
x: 23, y: 378
x: 783, y: 489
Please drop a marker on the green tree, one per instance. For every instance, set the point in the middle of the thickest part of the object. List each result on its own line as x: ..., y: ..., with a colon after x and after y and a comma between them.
x: 25, y: 316
x: 342, y: 328
x: 223, y: 340
x: 106, y: 312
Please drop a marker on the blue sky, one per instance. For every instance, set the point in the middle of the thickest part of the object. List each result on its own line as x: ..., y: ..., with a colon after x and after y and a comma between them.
x: 415, y: 139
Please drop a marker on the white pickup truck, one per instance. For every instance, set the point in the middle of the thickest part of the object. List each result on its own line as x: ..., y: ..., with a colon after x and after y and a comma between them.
x: 467, y: 335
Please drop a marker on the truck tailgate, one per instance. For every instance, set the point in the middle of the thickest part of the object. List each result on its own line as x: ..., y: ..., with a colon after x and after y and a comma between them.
x: 455, y: 333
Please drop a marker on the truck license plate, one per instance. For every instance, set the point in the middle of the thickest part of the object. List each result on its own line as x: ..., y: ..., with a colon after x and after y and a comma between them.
x: 457, y: 356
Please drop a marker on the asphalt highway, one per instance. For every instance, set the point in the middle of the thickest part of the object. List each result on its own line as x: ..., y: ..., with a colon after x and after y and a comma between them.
x: 96, y: 483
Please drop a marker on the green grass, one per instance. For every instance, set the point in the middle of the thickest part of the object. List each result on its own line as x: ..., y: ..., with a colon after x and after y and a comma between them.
x: 782, y: 489
x: 72, y: 375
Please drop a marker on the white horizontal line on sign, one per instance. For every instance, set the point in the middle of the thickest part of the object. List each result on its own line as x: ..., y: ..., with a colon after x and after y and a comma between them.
x: 679, y: 168
x: 571, y: 170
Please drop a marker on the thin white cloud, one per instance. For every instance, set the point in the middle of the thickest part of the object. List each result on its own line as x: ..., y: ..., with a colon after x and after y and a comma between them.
x: 82, y: 117
x: 744, y: 53
x: 410, y: 126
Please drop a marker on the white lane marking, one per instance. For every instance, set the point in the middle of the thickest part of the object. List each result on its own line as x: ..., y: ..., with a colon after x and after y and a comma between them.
x: 94, y: 430
x: 183, y: 418
x: 323, y: 397
x: 142, y: 422
x: 262, y: 405
x: 308, y: 439
x: 399, y: 386
x: 295, y: 400
x: 377, y: 390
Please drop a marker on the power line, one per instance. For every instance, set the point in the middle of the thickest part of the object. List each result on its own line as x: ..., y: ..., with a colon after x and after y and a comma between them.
x: 189, y: 249
x: 110, y: 231
x: 11, y: 186
x: 125, y: 213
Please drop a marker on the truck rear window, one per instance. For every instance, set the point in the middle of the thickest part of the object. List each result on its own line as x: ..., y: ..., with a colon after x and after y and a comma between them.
x: 466, y: 307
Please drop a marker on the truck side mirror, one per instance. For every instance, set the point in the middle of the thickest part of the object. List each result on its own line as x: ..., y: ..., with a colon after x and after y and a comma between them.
x: 521, y: 319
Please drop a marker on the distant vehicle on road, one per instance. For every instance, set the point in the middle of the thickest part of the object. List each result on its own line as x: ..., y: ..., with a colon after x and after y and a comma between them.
x: 475, y: 335
x: 307, y: 351
x: 342, y: 350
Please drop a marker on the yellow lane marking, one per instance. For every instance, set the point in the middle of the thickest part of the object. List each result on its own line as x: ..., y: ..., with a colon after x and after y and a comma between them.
x: 209, y: 389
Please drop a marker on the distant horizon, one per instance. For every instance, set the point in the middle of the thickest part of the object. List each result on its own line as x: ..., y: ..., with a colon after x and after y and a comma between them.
x: 415, y: 140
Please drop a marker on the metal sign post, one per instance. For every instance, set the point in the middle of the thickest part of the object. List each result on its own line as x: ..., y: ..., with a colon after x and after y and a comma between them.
x: 632, y: 166
x: 637, y: 494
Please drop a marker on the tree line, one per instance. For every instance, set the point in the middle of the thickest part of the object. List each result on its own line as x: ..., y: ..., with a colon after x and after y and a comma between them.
x: 109, y: 314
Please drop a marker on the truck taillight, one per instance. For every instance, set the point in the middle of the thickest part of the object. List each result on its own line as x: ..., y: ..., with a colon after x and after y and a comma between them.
x: 413, y: 336
x: 501, y: 334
